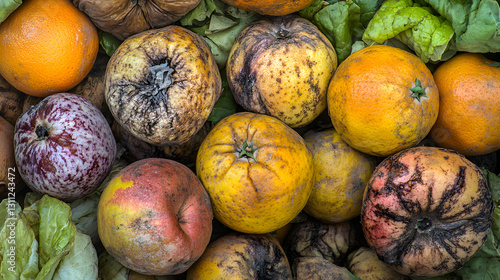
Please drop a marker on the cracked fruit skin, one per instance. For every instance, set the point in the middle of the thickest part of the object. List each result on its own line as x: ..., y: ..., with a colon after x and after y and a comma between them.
x: 257, y: 171
x: 281, y: 66
x: 426, y: 211
x: 382, y: 100
x: 155, y: 217
x: 162, y: 84
x: 242, y: 256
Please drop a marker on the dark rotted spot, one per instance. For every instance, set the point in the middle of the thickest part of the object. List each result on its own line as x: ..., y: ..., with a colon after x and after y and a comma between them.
x: 42, y: 132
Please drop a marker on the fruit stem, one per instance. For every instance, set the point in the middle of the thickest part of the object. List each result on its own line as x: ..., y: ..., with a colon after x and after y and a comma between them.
x: 247, y: 150
x: 417, y: 91
x: 161, y: 75
x: 282, y: 33
x: 41, y: 132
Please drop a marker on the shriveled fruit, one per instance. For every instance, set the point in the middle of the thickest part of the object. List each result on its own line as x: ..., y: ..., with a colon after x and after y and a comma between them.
x: 10, y: 180
x: 332, y: 242
x: 124, y: 18
x: 281, y: 66
x: 11, y: 102
x: 242, y: 256
x: 270, y: 7
x: 469, y: 106
x: 162, y: 84
x: 257, y: 170
x: 426, y: 211
x: 318, y: 268
x: 340, y: 176
x: 365, y: 264
x: 47, y: 47
x: 382, y: 100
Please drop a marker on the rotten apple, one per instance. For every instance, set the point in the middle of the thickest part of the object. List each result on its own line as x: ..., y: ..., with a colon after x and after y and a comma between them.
x: 64, y: 147
x: 155, y: 217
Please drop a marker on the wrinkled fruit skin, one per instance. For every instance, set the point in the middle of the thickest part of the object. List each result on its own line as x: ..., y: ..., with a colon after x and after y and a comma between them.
x: 123, y: 18
x: 281, y: 66
x: 155, y: 217
x: 64, y: 146
x: 364, y: 263
x: 318, y: 268
x: 242, y: 256
x: 332, y: 242
x: 161, y: 85
x: 426, y: 211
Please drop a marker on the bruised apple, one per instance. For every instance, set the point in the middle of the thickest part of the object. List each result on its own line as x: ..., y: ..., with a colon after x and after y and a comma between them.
x: 64, y: 146
x: 426, y: 211
x: 155, y: 217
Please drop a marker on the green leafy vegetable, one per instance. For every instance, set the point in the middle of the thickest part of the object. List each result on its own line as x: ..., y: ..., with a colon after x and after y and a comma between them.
x: 108, y: 42
x: 226, y: 105
x: 81, y: 262
x: 429, y: 35
x: 218, y: 24
x: 476, y: 23
x: 342, y: 22
x: 39, y: 242
x: 7, y: 7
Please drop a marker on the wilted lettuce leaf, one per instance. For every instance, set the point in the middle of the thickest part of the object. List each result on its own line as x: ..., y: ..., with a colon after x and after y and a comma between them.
x: 18, y: 245
x: 427, y: 34
x: 476, y: 23
x: 218, y: 24
x: 81, y: 262
x: 7, y: 7
x: 342, y: 22
x: 84, y: 215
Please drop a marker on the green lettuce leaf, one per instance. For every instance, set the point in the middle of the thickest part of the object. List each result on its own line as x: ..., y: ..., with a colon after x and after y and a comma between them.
x: 81, y: 262
x: 7, y: 7
x: 342, y: 22
x: 18, y: 245
x: 218, y: 24
x: 427, y: 34
x: 476, y: 23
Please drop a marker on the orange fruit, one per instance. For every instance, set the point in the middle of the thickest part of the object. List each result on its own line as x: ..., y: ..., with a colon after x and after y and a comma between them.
x: 340, y: 176
x: 469, y: 106
x: 47, y: 47
x: 382, y: 100
x: 270, y: 7
x: 257, y: 170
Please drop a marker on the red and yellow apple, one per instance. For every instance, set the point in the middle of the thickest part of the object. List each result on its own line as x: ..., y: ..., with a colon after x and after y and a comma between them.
x: 155, y: 217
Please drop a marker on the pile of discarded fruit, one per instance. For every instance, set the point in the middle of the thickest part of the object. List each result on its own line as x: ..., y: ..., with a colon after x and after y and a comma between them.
x: 220, y: 139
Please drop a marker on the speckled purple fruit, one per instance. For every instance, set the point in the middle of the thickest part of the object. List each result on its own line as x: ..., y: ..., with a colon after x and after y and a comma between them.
x: 64, y: 146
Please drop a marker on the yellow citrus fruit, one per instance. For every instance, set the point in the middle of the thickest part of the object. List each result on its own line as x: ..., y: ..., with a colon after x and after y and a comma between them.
x: 47, y: 47
x: 469, y: 106
x: 257, y: 171
x: 239, y: 256
x: 340, y: 177
x: 382, y: 100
